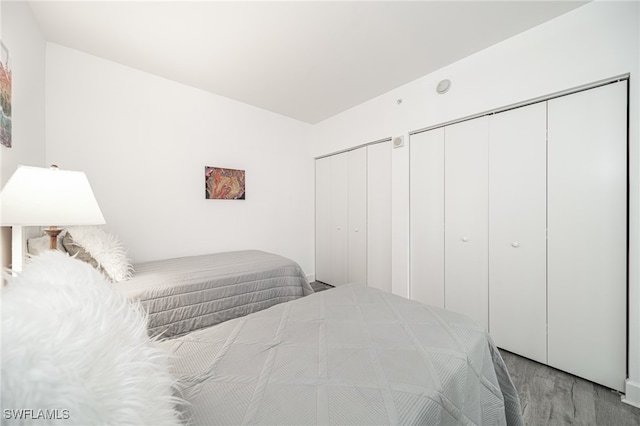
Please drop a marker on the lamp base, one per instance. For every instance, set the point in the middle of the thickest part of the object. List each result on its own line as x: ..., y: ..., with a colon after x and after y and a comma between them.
x: 53, y: 233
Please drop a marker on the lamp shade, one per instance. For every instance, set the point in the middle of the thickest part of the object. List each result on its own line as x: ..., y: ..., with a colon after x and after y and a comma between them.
x: 36, y: 196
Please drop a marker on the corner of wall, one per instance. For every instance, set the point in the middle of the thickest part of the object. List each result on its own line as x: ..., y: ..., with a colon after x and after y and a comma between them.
x: 22, y: 37
x: 400, y: 212
x: 632, y: 393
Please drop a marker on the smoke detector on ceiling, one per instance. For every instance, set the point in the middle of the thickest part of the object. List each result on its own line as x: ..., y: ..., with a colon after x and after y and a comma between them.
x: 443, y: 87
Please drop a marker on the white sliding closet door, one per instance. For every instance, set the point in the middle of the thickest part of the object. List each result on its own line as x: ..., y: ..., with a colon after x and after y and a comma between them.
x: 427, y: 217
x: 339, y: 219
x: 466, y: 210
x: 517, y: 230
x: 357, y: 213
x: 379, y: 216
x: 587, y: 213
x: 324, y: 225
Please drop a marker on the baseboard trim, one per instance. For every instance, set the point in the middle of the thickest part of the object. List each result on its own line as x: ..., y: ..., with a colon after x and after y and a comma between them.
x: 311, y: 277
x: 632, y: 393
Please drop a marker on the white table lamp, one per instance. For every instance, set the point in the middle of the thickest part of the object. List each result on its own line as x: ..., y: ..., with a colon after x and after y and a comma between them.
x: 37, y: 196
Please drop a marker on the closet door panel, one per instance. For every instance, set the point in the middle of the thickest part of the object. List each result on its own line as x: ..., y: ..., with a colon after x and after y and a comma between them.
x: 379, y: 216
x: 587, y: 217
x: 427, y: 217
x: 517, y: 231
x: 323, y: 219
x: 466, y: 205
x: 339, y: 219
x: 357, y: 213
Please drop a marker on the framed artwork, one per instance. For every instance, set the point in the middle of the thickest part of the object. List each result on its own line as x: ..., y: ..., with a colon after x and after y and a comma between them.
x: 5, y: 97
x: 224, y: 184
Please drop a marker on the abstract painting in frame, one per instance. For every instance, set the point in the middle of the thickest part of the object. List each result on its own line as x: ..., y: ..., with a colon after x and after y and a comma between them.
x: 224, y: 184
x: 5, y: 97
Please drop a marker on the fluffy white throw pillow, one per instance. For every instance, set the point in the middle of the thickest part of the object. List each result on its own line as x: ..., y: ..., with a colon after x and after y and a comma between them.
x: 105, y: 248
x: 74, y: 349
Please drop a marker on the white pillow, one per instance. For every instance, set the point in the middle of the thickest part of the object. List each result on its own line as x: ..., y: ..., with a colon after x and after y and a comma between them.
x: 36, y: 246
x: 107, y: 251
x: 72, y: 343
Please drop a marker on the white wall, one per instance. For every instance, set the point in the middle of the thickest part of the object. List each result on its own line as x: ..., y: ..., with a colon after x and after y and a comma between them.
x: 22, y: 37
x: 596, y: 41
x: 144, y: 142
x: 26, y: 45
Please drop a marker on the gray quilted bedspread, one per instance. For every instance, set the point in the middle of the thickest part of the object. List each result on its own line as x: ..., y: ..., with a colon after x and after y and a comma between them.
x: 188, y: 293
x: 351, y: 355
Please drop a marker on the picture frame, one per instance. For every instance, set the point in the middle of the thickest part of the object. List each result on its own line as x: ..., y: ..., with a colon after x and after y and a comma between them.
x: 5, y: 96
x: 224, y: 183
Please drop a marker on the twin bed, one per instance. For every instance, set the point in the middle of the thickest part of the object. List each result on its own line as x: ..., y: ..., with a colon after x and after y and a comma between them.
x: 350, y: 355
x: 189, y: 293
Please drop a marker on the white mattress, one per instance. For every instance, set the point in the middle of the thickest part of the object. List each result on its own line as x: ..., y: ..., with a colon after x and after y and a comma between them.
x: 350, y: 355
x: 188, y: 293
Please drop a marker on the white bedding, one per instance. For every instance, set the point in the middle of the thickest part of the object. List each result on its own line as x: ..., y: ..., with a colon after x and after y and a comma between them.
x: 350, y: 355
x: 188, y: 293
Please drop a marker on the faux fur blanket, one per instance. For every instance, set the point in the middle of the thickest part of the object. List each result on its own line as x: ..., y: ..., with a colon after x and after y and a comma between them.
x: 75, y: 351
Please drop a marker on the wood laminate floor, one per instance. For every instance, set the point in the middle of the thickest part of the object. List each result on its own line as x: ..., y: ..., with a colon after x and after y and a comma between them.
x: 319, y: 286
x: 553, y: 397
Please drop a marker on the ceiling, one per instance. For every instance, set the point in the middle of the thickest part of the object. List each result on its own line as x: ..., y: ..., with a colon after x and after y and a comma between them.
x: 302, y: 59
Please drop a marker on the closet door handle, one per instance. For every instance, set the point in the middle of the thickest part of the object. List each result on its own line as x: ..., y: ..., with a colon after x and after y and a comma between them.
x: 356, y: 229
x: 515, y: 244
x: 465, y: 239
